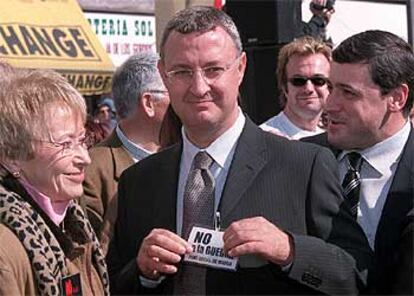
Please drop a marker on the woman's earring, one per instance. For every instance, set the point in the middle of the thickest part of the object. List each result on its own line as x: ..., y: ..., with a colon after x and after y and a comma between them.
x: 16, y: 174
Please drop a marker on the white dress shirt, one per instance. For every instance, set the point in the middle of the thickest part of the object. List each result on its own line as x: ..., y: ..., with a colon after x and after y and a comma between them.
x: 283, y: 124
x: 221, y: 151
x: 379, y: 163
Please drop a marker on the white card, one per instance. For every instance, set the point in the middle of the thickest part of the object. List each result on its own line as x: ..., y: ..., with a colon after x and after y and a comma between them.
x: 208, y: 249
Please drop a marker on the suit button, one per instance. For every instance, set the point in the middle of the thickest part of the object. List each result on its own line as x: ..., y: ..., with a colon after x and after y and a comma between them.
x: 311, y: 279
x: 306, y: 277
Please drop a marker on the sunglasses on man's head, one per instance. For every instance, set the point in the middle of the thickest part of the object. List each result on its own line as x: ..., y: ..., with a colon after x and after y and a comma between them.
x: 301, y: 81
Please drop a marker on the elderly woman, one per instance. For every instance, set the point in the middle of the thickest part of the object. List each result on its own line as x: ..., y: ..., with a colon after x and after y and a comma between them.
x: 47, y: 245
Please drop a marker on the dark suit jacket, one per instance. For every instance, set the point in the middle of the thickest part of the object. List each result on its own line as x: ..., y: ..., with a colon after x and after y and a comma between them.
x: 391, y: 225
x: 404, y: 276
x: 292, y: 184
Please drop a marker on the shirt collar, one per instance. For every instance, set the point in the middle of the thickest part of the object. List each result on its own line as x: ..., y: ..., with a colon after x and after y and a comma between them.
x: 56, y: 211
x: 383, y: 154
x: 136, y: 151
x: 220, y: 149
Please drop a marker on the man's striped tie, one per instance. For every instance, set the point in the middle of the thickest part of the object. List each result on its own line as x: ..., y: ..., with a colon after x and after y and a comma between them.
x: 352, y: 183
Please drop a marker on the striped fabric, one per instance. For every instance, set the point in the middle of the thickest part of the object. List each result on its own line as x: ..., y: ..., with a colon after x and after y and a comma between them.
x: 352, y: 182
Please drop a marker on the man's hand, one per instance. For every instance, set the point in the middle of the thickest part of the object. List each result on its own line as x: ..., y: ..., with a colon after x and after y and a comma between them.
x: 258, y: 236
x: 159, y: 252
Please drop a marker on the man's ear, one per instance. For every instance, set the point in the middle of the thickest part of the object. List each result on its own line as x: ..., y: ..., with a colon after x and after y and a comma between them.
x: 147, y: 104
x: 242, y: 66
x: 397, y: 98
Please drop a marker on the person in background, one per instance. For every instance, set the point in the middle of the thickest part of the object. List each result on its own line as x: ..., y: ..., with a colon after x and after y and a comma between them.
x: 275, y: 203
x: 48, y: 246
x: 322, y: 11
x: 106, y: 115
x: 170, y: 132
x: 369, y: 130
x: 141, y: 100
x: 95, y: 132
x: 302, y: 76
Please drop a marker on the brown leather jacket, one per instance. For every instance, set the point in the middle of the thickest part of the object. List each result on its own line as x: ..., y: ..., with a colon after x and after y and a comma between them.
x: 109, y: 160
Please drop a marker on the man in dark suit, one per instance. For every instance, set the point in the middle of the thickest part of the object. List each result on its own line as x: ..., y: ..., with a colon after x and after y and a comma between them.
x: 368, y: 109
x: 279, y: 201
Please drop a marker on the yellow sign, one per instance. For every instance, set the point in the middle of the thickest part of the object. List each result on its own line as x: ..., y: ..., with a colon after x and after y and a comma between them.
x: 89, y: 83
x: 54, y: 34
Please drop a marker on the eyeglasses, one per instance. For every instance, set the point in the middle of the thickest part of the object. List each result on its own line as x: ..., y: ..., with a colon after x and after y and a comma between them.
x: 67, y: 147
x: 210, y: 74
x: 158, y: 94
x: 158, y: 91
x: 301, y: 80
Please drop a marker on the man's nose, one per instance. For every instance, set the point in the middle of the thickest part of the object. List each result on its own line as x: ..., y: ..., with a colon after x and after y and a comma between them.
x: 331, y: 104
x: 199, y: 85
x: 309, y: 86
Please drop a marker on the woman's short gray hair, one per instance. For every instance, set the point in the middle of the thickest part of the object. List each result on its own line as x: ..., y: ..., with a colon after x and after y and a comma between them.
x: 201, y: 19
x: 24, y: 109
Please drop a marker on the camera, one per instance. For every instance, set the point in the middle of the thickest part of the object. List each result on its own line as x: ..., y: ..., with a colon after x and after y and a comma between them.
x: 329, y: 5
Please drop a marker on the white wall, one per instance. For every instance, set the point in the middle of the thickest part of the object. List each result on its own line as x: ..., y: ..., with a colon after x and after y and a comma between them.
x: 126, y: 6
x: 352, y: 17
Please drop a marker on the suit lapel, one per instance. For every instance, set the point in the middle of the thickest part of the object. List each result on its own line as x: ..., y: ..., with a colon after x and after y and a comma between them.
x: 400, y: 196
x: 322, y: 139
x: 249, y: 159
x: 122, y: 160
x: 167, y: 183
x: 121, y: 157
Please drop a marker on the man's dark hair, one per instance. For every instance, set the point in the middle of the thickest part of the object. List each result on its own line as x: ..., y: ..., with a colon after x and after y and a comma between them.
x: 390, y: 60
x: 201, y: 19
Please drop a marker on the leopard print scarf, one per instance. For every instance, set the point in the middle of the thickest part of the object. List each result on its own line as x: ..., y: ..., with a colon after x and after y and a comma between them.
x: 45, y: 254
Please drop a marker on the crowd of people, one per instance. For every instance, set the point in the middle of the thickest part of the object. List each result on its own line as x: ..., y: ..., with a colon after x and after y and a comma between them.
x: 185, y: 195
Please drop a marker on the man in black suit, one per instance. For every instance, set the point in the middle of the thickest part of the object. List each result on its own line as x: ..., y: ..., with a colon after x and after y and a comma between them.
x: 404, y: 280
x: 372, y: 75
x: 279, y: 201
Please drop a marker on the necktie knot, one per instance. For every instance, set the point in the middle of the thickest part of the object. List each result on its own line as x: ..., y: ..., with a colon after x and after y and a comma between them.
x: 354, y: 159
x: 202, y: 160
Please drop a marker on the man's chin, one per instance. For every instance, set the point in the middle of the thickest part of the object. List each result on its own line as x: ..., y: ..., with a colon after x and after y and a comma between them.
x: 310, y: 106
x: 336, y: 140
